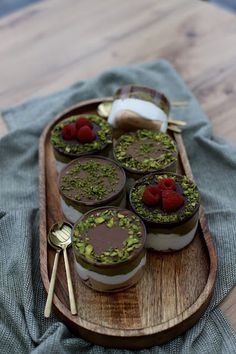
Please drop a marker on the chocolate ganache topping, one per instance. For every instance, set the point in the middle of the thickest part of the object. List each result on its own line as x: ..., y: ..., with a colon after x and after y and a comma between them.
x: 109, y: 235
x: 91, y: 180
x: 145, y: 151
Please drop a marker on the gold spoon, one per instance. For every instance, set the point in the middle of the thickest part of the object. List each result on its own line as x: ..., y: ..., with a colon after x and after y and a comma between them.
x: 58, y: 243
x: 48, y: 306
x: 61, y: 238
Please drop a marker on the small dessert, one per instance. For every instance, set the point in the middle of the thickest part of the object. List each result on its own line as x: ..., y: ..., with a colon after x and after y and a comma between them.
x: 139, y: 107
x: 108, y: 244
x: 145, y: 151
x: 80, y: 135
x: 89, y: 182
x: 169, y: 206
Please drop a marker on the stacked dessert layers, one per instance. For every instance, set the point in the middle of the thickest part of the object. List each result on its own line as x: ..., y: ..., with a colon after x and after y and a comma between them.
x: 113, y: 201
x: 109, y: 247
x: 169, y: 205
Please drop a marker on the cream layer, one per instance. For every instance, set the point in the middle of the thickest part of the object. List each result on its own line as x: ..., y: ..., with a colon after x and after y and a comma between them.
x: 72, y: 214
x: 108, y: 279
x: 167, y: 242
x: 143, y: 108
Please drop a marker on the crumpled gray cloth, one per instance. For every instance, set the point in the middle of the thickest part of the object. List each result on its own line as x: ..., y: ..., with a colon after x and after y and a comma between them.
x: 23, y: 328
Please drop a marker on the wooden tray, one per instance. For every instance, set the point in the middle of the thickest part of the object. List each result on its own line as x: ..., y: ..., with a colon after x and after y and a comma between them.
x: 173, y: 293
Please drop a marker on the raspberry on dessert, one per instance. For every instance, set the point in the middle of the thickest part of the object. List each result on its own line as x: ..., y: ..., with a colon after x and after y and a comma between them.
x: 151, y: 195
x: 69, y: 132
x: 82, y: 121
x: 171, y: 200
x: 85, y: 135
x: 167, y: 184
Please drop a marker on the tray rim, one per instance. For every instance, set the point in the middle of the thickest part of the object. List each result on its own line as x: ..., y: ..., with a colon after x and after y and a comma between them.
x: 198, y: 306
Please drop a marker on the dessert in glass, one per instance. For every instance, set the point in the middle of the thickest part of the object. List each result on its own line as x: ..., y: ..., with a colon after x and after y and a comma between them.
x: 109, y: 248
x: 145, y: 151
x: 169, y: 206
x: 89, y: 182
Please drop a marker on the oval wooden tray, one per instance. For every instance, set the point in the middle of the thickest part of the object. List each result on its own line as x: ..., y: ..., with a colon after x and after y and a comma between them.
x: 173, y: 293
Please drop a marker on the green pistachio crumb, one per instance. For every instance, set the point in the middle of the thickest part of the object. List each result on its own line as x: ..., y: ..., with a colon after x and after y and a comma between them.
x: 111, y: 218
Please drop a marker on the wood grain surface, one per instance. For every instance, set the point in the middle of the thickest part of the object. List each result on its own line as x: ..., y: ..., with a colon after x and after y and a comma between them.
x: 55, y: 43
x: 170, y: 297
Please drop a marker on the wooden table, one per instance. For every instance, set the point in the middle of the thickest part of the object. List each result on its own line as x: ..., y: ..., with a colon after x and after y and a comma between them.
x: 55, y: 43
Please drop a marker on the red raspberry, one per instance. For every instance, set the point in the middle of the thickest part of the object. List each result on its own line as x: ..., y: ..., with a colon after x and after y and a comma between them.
x: 167, y: 184
x: 151, y: 195
x: 69, y: 132
x: 171, y: 200
x: 81, y: 122
x: 85, y: 135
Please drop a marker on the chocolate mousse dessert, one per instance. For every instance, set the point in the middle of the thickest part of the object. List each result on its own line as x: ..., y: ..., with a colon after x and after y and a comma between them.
x: 145, y: 151
x: 81, y: 135
x: 169, y: 206
x: 108, y: 244
x: 89, y: 182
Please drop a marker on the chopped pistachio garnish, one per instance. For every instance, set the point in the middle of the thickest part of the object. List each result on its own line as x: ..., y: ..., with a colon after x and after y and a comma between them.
x: 152, y: 141
x: 98, y: 181
x: 111, y: 218
x: 104, y: 136
x: 156, y: 214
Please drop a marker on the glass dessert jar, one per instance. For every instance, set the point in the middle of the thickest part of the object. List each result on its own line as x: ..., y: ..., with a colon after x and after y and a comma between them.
x: 145, y: 151
x: 169, y: 206
x: 81, y: 135
x: 89, y: 182
x: 135, y: 107
x: 108, y: 244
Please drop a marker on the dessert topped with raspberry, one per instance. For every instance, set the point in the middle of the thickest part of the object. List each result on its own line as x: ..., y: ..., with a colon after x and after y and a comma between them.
x: 81, y: 135
x: 164, y: 198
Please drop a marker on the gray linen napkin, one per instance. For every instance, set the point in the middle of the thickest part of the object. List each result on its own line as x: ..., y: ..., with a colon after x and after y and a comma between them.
x: 23, y: 328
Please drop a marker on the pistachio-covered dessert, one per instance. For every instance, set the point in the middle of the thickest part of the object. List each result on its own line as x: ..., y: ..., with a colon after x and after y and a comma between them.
x: 80, y: 135
x: 108, y: 244
x: 169, y: 207
x: 89, y: 182
x: 145, y: 151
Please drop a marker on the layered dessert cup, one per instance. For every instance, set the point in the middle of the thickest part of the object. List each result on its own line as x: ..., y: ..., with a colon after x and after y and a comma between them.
x: 169, y: 206
x: 135, y: 107
x: 81, y: 135
x: 108, y: 245
x: 145, y: 151
x: 90, y: 182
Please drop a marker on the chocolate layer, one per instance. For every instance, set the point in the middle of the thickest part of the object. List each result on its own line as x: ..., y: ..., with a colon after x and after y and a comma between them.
x: 109, y: 240
x: 91, y: 181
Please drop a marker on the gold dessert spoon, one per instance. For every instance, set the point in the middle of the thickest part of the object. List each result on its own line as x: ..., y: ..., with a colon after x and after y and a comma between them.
x: 48, y: 306
x: 60, y: 238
